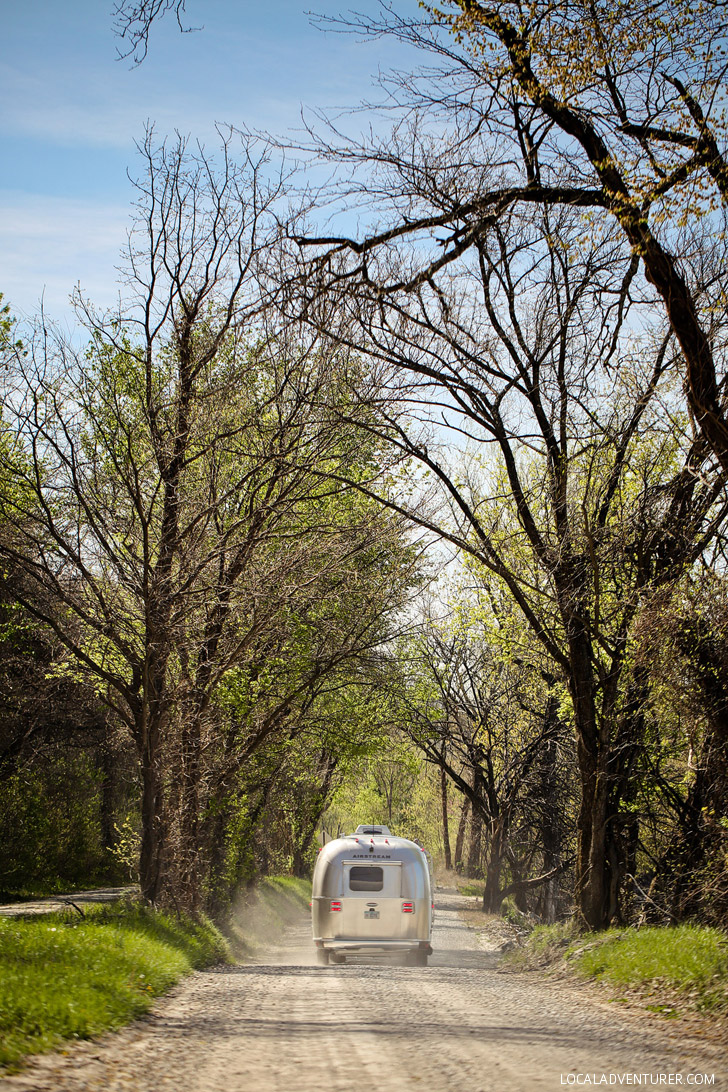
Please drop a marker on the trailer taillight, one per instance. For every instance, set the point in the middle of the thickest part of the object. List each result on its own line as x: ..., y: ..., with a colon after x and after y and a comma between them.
x: 335, y: 905
x: 408, y: 908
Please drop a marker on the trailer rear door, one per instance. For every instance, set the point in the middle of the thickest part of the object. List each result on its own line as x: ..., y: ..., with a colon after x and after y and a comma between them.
x: 371, y: 904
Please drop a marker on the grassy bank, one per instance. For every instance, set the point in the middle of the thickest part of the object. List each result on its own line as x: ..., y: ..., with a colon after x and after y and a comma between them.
x: 671, y: 970
x: 64, y: 977
x: 265, y: 912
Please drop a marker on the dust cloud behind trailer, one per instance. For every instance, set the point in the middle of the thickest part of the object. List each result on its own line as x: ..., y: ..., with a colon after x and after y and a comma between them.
x: 372, y: 893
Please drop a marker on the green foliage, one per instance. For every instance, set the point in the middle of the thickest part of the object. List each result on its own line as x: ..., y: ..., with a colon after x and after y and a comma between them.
x: 544, y: 945
x: 273, y: 817
x: 685, y: 964
x: 127, y: 846
x: 548, y: 938
x: 394, y: 786
x: 687, y: 958
x: 73, y: 979
x: 50, y: 834
x: 7, y: 323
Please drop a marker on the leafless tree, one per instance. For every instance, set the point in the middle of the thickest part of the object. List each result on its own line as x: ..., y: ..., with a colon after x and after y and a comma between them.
x: 570, y: 475
x: 132, y: 22
x: 614, y: 111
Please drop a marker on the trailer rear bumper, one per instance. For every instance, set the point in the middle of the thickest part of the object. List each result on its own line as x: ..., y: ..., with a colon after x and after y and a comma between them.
x: 358, y: 945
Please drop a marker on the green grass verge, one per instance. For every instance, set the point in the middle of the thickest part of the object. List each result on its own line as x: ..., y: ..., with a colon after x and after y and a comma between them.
x: 689, y: 960
x: 73, y: 978
x: 547, y: 943
x: 684, y: 966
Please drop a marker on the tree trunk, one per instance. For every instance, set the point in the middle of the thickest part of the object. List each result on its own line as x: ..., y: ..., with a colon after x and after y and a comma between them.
x: 551, y: 836
x: 301, y: 865
x: 108, y: 798
x: 622, y: 828
x: 460, y: 839
x: 188, y: 889
x: 445, y: 828
x: 547, y: 906
x: 492, y: 897
x: 476, y: 843
x: 152, y: 857
x: 591, y: 885
x: 591, y: 744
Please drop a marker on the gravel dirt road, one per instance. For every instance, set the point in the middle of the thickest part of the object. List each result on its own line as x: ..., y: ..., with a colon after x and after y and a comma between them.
x: 459, y: 1025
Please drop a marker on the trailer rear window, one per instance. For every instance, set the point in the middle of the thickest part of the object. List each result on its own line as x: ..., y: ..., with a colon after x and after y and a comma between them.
x: 366, y: 878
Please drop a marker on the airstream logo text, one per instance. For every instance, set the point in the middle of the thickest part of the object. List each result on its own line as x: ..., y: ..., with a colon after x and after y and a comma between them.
x: 374, y: 856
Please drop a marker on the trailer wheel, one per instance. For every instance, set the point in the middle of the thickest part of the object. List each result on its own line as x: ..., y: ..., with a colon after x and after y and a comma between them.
x: 337, y: 957
x: 322, y: 957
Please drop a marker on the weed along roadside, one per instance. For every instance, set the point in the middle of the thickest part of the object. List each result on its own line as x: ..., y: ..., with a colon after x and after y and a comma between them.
x: 65, y: 977
x: 673, y: 972
x: 281, y: 1022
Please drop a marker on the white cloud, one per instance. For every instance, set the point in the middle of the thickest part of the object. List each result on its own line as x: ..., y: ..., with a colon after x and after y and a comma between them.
x: 48, y: 245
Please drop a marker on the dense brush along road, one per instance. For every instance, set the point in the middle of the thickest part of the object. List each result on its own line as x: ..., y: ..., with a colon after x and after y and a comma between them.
x: 287, y: 1025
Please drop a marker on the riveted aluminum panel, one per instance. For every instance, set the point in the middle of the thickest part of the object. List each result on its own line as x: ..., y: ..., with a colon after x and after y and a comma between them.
x: 371, y: 918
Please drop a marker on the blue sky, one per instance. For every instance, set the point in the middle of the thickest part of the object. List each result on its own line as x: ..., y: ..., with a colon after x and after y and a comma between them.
x: 72, y: 112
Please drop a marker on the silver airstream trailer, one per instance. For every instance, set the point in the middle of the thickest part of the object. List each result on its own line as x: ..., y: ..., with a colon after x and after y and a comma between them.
x: 372, y: 893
